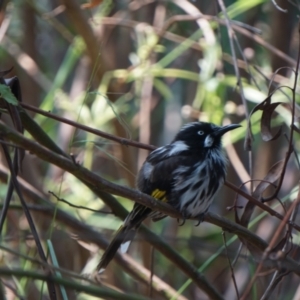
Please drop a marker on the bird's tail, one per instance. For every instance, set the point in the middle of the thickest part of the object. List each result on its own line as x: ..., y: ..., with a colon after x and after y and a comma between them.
x: 121, y: 240
x: 124, y: 235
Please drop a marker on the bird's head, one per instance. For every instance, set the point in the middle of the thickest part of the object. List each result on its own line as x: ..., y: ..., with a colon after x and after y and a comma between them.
x: 202, y: 135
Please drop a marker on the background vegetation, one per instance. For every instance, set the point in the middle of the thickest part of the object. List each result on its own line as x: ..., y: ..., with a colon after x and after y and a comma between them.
x: 101, y: 82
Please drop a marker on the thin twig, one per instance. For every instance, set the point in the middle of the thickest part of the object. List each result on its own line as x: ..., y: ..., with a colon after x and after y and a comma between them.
x: 278, y: 7
x: 179, y: 39
x: 88, y: 289
x: 151, y: 273
x: 271, y: 245
x: 120, y: 140
x: 51, y: 286
x: 232, y: 36
x: 78, y: 206
x: 290, y: 146
x: 259, y: 204
x: 230, y: 266
x: 9, y: 192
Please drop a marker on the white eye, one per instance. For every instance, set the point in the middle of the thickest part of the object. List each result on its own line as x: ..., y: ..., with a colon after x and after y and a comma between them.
x: 200, y: 132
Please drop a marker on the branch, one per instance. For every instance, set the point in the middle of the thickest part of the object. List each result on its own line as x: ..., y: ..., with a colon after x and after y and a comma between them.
x: 143, y: 146
x: 97, y: 132
x: 103, y: 187
x: 86, y: 233
x: 91, y: 290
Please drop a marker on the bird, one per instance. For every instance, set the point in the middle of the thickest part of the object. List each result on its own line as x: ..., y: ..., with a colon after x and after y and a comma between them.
x: 186, y: 174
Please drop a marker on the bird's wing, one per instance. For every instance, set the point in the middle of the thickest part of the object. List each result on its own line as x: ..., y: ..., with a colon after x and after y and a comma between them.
x: 159, y: 174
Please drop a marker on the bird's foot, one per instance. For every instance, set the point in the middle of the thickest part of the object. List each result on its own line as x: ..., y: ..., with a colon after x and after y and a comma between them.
x: 184, y: 217
x: 200, y: 219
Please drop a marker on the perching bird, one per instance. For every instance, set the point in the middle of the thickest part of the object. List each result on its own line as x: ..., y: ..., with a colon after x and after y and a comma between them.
x: 185, y: 174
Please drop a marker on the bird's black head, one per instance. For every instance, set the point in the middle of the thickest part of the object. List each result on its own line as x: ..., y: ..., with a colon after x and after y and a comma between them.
x: 202, y: 135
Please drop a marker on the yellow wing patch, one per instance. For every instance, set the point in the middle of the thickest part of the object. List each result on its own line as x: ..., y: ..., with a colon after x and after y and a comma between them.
x: 159, y: 195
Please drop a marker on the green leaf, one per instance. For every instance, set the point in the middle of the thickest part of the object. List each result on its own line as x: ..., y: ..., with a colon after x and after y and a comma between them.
x: 7, y: 95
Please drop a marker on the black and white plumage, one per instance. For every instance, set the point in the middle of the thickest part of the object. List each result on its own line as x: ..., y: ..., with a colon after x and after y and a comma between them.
x: 185, y: 174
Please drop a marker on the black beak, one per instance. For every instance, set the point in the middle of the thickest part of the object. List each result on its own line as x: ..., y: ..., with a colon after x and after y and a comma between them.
x: 222, y: 130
